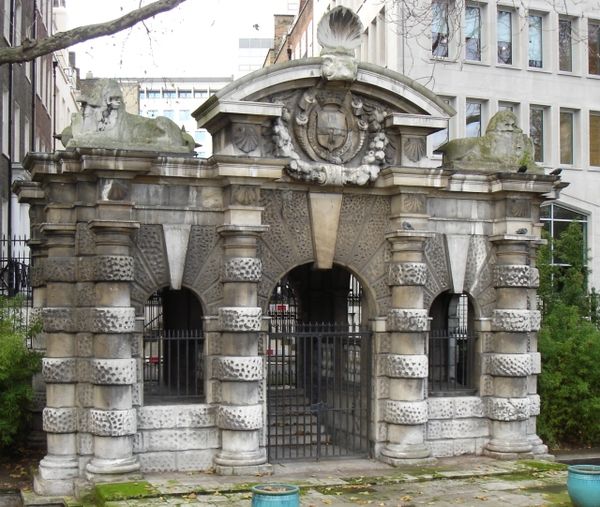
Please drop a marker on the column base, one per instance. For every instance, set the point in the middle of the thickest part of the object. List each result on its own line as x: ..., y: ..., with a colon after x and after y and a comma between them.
x: 508, y: 450
x: 406, y: 454
x: 55, y: 475
x: 241, y: 459
x: 539, y: 449
x: 113, y: 470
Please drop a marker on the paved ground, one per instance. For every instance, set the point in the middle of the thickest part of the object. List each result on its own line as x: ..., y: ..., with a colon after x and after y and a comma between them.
x: 454, y: 481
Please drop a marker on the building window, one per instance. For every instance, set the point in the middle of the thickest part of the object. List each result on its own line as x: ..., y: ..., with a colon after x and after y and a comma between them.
x: 153, y: 94
x: 440, y: 32
x: 169, y: 113
x: 169, y: 94
x: 504, y: 35
x: 566, y: 137
x: 473, y: 119
x: 440, y: 137
x: 184, y: 115
x: 473, y: 33
x: 556, y: 218
x: 535, y: 41
x: 594, y: 47
x: 536, y: 132
x: 593, y: 138
x: 565, y: 45
x: 142, y: 94
x: 200, y: 94
x: 185, y: 94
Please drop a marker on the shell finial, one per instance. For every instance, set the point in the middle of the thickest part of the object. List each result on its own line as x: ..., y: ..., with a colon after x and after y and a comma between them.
x: 339, y: 31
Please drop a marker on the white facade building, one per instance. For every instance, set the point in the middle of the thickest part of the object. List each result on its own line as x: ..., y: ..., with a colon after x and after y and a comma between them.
x: 538, y: 58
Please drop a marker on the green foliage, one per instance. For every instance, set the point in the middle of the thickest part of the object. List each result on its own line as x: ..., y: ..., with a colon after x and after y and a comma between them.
x: 569, y: 342
x: 17, y: 365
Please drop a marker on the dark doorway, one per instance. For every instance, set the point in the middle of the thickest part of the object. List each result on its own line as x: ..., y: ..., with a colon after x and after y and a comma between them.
x: 319, y: 359
x: 173, y: 348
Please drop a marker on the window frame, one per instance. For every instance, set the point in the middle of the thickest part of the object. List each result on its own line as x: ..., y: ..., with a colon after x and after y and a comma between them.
x: 570, y: 68
x: 539, y: 47
x: 592, y: 161
x: 475, y: 102
x: 511, y: 36
x: 564, y: 113
x: 479, y: 30
x: 542, y: 147
x: 440, y: 36
x: 594, y: 48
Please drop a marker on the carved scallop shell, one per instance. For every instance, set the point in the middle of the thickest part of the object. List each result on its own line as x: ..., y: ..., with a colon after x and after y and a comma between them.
x: 415, y: 148
x: 339, y: 31
x: 245, y: 138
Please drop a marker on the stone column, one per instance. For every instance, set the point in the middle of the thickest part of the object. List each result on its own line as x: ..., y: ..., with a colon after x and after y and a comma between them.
x: 406, y: 363
x: 112, y: 420
x: 60, y: 466
x: 240, y: 367
x: 510, y: 363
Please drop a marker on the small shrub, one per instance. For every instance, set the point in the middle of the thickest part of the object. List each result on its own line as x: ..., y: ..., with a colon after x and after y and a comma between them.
x: 17, y: 366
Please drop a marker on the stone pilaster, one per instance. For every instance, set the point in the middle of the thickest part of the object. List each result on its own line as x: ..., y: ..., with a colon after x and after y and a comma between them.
x: 60, y: 467
x: 239, y: 368
x: 112, y: 369
x: 511, y: 363
x: 405, y: 365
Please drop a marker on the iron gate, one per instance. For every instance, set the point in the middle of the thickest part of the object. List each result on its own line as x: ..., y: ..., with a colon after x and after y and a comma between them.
x: 318, y: 391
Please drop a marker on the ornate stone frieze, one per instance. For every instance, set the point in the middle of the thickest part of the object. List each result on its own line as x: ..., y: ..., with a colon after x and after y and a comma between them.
x: 507, y: 409
x: 239, y: 368
x: 238, y: 318
x: 59, y: 370
x: 56, y: 320
x: 407, y: 320
x: 113, y: 423
x: 242, y: 269
x: 406, y: 412
x: 516, y: 275
x: 59, y: 420
x: 247, y: 417
x: 406, y: 366
x: 509, y: 365
x: 59, y: 269
x: 407, y: 273
x: 113, y: 371
x: 519, y: 321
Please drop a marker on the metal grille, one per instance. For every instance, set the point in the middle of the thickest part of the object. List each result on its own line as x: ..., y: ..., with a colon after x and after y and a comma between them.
x: 15, y: 262
x: 318, y: 391
x: 450, y: 362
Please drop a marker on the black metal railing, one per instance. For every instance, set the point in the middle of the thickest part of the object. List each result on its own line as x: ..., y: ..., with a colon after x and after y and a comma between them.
x: 15, y: 264
x: 451, y: 358
x: 173, y: 366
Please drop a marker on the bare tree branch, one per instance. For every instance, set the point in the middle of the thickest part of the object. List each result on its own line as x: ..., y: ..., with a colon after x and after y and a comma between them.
x: 31, y: 49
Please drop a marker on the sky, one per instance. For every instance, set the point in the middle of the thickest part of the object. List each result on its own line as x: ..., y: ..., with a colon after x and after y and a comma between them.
x: 199, y: 38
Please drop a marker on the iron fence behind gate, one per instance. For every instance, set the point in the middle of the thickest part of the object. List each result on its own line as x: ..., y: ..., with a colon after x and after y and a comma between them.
x: 173, y: 366
x: 318, y: 391
x: 451, y: 358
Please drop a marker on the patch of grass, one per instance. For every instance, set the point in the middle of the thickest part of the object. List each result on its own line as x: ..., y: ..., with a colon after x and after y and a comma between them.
x: 544, y: 466
x: 124, y: 491
x: 343, y: 489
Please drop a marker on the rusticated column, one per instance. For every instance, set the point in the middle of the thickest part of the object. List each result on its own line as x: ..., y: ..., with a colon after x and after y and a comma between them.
x: 511, y: 362
x: 112, y: 420
x: 405, y: 365
x: 60, y: 466
x: 239, y: 368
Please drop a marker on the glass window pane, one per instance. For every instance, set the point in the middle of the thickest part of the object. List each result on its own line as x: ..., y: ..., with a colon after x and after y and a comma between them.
x: 169, y: 113
x: 439, y: 28
x: 594, y: 48
x: 562, y: 213
x: 535, y: 41
x: 504, y: 31
x: 566, y: 137
x: 565, y: 48
x: 594, y: 139
x: 473, y: 119
x: 473, y: 33
x: 536, y: 132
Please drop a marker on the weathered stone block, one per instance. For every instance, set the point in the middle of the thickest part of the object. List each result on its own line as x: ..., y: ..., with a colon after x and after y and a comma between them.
x: 113, y: 423
x: 113, y: 371
x: 240, y: 417
x: 520, y: 321
x: 238, y: 368
x: 407, y: 320
x: 55, y: 320
x: 240, y: 319
x: 407, y: 273
x: 515, y: 275
x: 59, y: 370
x: 507, y: 409
x: 406, y: 412
x: 406, y: 366
x: 59, y: 269
x: 508, y: 365
x: 242, y: 269
x: 59, y: 420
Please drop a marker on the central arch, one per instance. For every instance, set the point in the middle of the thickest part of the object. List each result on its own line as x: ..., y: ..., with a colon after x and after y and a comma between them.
x: 319, y: 366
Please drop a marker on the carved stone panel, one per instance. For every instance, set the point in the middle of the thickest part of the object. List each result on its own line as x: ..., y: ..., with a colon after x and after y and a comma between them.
x: 240, y: 417
x: 113, y: 371
x: 113, y: 423
x: 407, y: 273
x: 408, y: 320
x: 59, y: 420
x: 405, y: 412
x: 59, y: 370
x: 406, y: 366
x: 239, y: 319
x: 242, y: 269
x: 239, y: 368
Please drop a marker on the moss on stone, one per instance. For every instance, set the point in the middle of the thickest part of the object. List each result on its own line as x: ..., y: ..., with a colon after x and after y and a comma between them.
x: 109, y: 492
x: 544, y: 466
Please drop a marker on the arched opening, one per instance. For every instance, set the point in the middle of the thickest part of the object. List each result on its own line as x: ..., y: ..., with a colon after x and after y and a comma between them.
x: 319, y: 363
x: 451, y: 346
x: 173, y: 348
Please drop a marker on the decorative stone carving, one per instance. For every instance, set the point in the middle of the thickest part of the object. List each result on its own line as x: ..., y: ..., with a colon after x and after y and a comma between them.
x: 407, y: 320
x: 59, y: 269
x: 415, y: 148
x: 516, y: 275
x: 406, y: 366
x: 509, y: 365
x: 59, y: 420
x: 245, y: 137
x: 103, y: 122
x: 413, y: 203
x: 518, y: 208
x: 239, y: 368
x: 242, y: 269
x: 113, y: 423
x: 85, y: 242
x: 56, y: 320
x: 59, y: 370
x: 113, y: 371
x: 519, y: 321
x: 339, y: 34
x: 406, y: 412
x: 239, y: 318
x: 188, y: 416
x: 536, y: 363
x: 113, y: 268
x: 407, y: 273
x: 507, y: 409
x: 247, y: 417
x: 504, y: 147
x: 534, y: 404
x: 109, y: 320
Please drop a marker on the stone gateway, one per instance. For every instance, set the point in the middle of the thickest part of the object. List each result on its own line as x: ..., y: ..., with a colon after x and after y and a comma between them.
x: 318, y: 287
